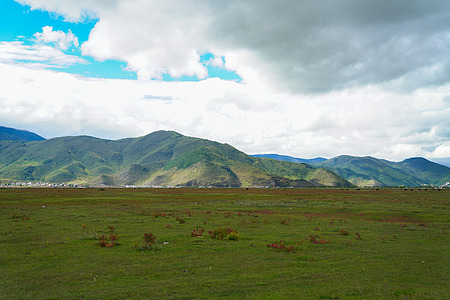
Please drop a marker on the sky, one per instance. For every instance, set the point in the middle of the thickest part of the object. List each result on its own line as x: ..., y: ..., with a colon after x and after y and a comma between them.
x: 292, y: 77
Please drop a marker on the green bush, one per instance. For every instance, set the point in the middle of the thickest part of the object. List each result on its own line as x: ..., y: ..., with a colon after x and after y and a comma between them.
x: 221, y: 233
x: 234, y: 236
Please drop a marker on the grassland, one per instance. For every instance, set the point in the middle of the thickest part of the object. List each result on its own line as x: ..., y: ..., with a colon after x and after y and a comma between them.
x: 346, y: 243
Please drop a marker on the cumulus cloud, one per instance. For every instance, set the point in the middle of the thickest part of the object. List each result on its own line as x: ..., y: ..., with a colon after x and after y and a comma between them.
x: 58, y: 38
x: 302, y: 46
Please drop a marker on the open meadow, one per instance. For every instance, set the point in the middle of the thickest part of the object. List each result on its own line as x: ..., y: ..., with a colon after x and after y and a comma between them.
x: 224, y: 243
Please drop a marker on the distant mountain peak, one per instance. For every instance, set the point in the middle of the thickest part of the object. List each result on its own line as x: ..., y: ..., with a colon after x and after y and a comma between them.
x: 290, y: 158
x: 371, y: 171
x: 415, y: 171
x: 12, y: 134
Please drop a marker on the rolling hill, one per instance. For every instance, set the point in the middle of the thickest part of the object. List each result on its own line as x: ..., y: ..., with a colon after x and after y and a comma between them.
x: 160, y: 158
x: 370, y: 171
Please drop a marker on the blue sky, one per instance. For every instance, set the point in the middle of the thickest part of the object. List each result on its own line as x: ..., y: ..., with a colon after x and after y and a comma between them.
x: 360, y: 77
x: 18, y: 20
x: 19, y: 23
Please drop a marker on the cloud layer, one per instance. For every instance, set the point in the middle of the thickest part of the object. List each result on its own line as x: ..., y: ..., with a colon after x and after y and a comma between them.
x: 319, y: 78
x: 303, y: 46
x: 363, y: 121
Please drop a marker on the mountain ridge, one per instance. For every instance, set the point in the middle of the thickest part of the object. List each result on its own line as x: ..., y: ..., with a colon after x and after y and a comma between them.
x: 170, y: 158
x: 371, y: 171
x: 159, y: 158
x: 9, y: 134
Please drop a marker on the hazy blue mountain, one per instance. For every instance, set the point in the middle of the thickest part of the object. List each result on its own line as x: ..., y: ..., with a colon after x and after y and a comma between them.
x: 290, y: 158
x: 441, y: 161
x: 159, y: 158
x: 11, y: 134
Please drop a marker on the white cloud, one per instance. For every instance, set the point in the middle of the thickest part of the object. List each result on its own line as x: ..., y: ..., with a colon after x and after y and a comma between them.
x: 73, y: 11
x: 319, y: 78
x: 443, y: 150
x: 36, y: 55
x: 58, y: 38
x: 148, y: 40
x: 302, y: 46
x: 250, y: 118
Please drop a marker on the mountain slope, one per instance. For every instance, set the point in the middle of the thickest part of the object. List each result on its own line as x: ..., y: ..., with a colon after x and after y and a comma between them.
x: 426, y: 170
x: 11, y: 134
x: 160, y: 158
x: 370, y: 171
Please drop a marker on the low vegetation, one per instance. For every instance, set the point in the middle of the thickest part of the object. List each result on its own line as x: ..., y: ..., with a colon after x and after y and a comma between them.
x: 224, y: 243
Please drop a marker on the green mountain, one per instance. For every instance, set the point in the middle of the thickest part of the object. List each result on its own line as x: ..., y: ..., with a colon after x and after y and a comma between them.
x: 11, y: 134
x: 370, y: 171
x: 160, y: 158
x: 424, y: 169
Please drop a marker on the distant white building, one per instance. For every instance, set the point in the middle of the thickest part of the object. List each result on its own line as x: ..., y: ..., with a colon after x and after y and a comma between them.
x: 446, y: 185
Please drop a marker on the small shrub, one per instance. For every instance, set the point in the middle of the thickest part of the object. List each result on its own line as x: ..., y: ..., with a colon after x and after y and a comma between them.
x: 180, y: 219
x: 148, y: 242
x: 233, y: 236
x: 281, y: 246
x: 358, y: 237
x: 286, y: 221
x: 149, y: 238
x: 221, y: 233
x: 317, y: 240
x: 108, y: 241
x: 23, y: 217
x: 197, y: 232
x: 342, y: 231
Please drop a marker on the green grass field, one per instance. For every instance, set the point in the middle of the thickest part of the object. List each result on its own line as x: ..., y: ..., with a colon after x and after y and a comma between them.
x: 346, y: 244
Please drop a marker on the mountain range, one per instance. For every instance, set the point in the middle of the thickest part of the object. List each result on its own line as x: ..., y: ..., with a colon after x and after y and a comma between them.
x: 371, y: 171
x: 167, y: 158
x: 162, y: 158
